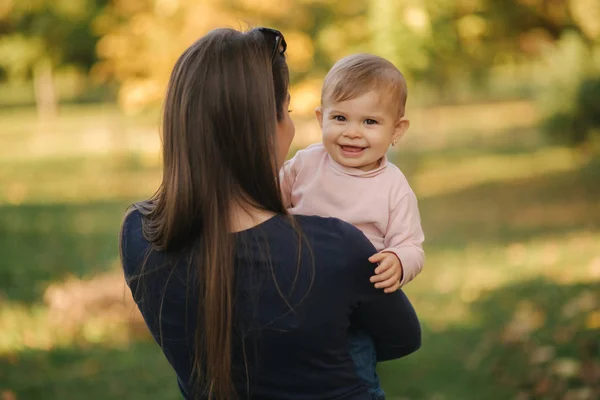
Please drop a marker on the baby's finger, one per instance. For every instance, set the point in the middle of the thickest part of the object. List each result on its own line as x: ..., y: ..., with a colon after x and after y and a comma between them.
x: 394, y: 276
x: 385, y: 275
x: 376, y: 258
x: 384, y: 266
x: 392, y: 289
x: 388, y: 283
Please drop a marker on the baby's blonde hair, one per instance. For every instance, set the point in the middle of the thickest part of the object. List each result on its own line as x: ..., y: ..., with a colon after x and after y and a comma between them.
x: 358, y: 74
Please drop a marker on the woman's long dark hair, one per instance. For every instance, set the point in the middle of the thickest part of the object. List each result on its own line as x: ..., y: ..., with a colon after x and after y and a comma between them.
x: 223, y: 101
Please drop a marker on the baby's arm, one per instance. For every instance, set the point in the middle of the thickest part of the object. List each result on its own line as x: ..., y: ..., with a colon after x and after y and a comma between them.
x: 287, y: 178
x: 404, y: 236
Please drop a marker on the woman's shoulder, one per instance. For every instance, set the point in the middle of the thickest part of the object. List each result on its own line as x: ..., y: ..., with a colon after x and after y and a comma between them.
x: 133, y: 245
x: 338, y: 234
x: 131, y: 230
x: 133, y: 217
x: 340, y: 251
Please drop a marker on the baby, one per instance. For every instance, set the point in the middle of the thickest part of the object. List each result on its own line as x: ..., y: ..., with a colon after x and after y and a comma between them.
x: 348, y: 176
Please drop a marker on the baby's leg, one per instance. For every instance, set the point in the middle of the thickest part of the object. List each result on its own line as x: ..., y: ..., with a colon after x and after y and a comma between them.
x: 362, y: 351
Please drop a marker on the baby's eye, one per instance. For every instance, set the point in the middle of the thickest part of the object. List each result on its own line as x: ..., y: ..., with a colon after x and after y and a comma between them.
x: 370, y: 121
x: 339, y: 118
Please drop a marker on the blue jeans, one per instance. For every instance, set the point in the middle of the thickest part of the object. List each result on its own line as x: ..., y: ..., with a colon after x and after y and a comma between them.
x: 363, y: 353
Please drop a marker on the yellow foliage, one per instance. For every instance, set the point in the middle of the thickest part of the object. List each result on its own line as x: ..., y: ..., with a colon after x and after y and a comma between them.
x: 167, y: 7
x: 141, y: 24
x: 135, y: 94
x: 587, y: 15
x: 300, y: 51
x: 72, y: 8
x: 593, y: 320
x: 471, y: 27
x: 112, y: 46
x: 6, y: 7
x: 306, y: 96
x: 333, y: 41
x: 271, y: 9
x: 417, y: 19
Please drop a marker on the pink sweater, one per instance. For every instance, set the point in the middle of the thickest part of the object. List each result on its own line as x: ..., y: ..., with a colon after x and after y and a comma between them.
x: 378, y: 202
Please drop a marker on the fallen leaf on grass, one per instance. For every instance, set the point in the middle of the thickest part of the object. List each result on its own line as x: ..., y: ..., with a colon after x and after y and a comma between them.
x: 526, y: 319
x: 564, y: 334
x: 585, y: 302
x: 543, y: 387
x: 579, y: 394
x: 542, y: 355
x: 590, y: 372
x: 522, y: 396
x: 593, y: 320
x: 566, y: 367
x: 9, y: 395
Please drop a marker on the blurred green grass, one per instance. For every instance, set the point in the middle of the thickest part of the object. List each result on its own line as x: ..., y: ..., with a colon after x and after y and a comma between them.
x: 512, y: 233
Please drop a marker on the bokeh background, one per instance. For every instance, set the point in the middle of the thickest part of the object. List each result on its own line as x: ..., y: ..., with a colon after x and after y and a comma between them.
x: 503, y: 153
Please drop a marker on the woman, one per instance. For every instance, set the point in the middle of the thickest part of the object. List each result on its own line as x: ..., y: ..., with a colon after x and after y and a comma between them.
x: 245, y: 300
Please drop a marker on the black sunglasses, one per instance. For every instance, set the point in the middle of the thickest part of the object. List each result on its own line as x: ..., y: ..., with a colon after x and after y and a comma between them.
x: 280, y: 45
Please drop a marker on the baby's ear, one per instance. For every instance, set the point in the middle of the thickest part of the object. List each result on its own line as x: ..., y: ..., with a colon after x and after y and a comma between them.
x: 400, y: 129
x: 319, y: 114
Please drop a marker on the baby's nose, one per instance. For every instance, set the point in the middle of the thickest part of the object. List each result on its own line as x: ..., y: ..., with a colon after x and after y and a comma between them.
x: 353, y: 132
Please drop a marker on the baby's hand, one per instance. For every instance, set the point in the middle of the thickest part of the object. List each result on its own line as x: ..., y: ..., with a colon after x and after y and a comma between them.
x: 389, y: 272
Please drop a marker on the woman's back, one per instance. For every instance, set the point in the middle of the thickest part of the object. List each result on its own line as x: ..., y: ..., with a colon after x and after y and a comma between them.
x: 295, y: 301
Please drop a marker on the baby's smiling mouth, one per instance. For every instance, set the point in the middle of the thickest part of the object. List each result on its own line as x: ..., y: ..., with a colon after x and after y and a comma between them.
x: 352, y: 149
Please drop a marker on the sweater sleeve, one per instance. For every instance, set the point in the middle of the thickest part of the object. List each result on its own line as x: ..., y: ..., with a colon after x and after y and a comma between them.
x: 287, y: 179
x: 404, y: 236
x: 393, y: 337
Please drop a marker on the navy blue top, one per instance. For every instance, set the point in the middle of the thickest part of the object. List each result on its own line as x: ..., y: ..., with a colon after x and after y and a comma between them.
x: 297, y: 350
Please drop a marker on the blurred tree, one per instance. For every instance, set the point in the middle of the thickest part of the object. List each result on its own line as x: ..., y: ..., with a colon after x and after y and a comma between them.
x: 474, y: 35
x: 143, y: 38
x: 569, y: 95
x: 439, y: 42
x: 38, y: 36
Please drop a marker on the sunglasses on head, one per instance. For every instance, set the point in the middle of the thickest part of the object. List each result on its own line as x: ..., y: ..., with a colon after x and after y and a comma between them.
x: 279, y: 46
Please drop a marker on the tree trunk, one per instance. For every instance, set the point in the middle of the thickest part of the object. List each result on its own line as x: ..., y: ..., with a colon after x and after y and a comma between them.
x: 45, y: 92
x: 384, y: 20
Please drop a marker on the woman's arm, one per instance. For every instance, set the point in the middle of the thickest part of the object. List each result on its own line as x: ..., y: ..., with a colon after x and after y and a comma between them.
x: 389, y: 318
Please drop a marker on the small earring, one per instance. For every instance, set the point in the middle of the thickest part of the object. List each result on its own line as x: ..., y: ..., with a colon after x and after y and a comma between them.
x: 394, y: 142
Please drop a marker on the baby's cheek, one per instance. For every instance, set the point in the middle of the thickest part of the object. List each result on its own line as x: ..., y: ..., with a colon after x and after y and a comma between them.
x: 331, y: 131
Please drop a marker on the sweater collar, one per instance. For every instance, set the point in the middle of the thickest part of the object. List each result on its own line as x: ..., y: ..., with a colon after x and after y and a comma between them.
x: 358, y: 172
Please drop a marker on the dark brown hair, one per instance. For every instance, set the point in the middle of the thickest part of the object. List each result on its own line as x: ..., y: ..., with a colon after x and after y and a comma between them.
x: 360, y: 73
x: 224, y: 99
